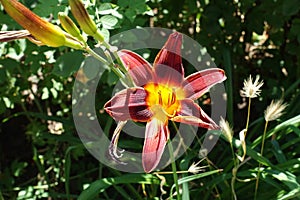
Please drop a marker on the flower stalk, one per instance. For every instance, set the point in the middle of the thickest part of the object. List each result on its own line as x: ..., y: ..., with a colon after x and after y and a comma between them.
x: 273, y: 112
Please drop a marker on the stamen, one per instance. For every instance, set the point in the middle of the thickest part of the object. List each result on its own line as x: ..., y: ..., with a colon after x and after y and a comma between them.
x: 173, y: 96
x: 169, y: 97
x: 159, y: 98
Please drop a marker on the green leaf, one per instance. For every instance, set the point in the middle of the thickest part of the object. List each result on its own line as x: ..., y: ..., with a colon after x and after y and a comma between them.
x: 112, y: 78
x: 295, y: 121
x: 290, y: 7
x: 108, y: 21
x: 130, y: 14
x: 105, y: 34
x: 68, y: 63
x: 46, y: 8
x: 92, y: 67
x: 287, y: 178
x: 123, y: 3
x: 278, y: 152
x: 194, y: 177
x: 291, y: 195
x: 105, y: 8
x: 45, y: 93
x: 18, y: 167
x: 100, y: 185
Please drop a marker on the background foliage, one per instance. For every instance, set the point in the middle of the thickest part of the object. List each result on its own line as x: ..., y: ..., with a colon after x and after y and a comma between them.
x: 41, y: 155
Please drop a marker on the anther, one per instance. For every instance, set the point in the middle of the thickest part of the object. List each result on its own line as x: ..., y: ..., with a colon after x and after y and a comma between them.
x: 159, y: 98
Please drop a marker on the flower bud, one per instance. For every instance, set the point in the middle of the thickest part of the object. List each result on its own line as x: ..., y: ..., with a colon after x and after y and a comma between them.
x: 84, y: 19
x: 69, y: 26
x: 49, y: 34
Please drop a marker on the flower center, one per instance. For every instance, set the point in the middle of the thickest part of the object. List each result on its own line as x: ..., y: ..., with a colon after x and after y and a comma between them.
x: 162, y: 101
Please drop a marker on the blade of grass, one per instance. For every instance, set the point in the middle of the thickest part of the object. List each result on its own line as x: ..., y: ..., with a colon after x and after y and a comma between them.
x: 41, y: 168
x: 295, y: 121
x: 278, y: 152
x: 175, y: 176
x: 68, y: 168
x: 193, y: 177
x: 122, y: 192
x: 286, y: 177
x: 130, y: 188
x: 100, y: 185
x: 228, y: 84
x: 291, y: 195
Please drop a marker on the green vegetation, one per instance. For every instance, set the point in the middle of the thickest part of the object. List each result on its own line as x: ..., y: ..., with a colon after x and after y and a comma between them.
x: 42, y: 156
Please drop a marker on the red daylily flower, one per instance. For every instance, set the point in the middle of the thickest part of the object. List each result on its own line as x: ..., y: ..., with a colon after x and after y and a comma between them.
x: 161, y: 94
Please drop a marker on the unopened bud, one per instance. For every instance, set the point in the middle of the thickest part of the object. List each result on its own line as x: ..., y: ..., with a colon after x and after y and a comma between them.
x: 69, y: 26
x: 84, y: 20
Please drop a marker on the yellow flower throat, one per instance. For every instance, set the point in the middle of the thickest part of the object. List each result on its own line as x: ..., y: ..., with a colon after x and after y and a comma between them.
x: 162, y: 101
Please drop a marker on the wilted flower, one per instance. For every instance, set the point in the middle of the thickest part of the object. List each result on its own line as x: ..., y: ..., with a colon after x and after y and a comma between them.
x: 275, y: 110
x: 250, y: 89
x: 40, y: 29
x: 161, y: 94
x: 226, y: 130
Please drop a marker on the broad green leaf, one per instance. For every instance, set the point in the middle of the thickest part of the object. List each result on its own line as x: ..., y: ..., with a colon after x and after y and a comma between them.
x: 108, y: 21
x: 130, y: 14
x: 105, y: 34
x: 68, y: 63
x: 105, y: 8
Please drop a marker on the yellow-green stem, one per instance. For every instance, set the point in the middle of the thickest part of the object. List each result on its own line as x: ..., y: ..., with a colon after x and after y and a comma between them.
x: 95, y: 55
x: 233, y: 155
x: 233, y: 172
x: 107, y: 65
x: 175, y: 176
x: 248, y: 117
x: 259, y: 165
x: 233, y: 183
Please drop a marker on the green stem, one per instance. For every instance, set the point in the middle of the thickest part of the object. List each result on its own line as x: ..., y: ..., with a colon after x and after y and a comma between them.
x: 175, y: 176
x: 234, y: 171
x: 95, y: 55
x: 123, y: 68
x: 107, y: 45
x: 259, y: 166
x: 263, y: 139
x: 248, y: 116
x: 41, y: 168
x: 107, y: 65
x: 233, y: 155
